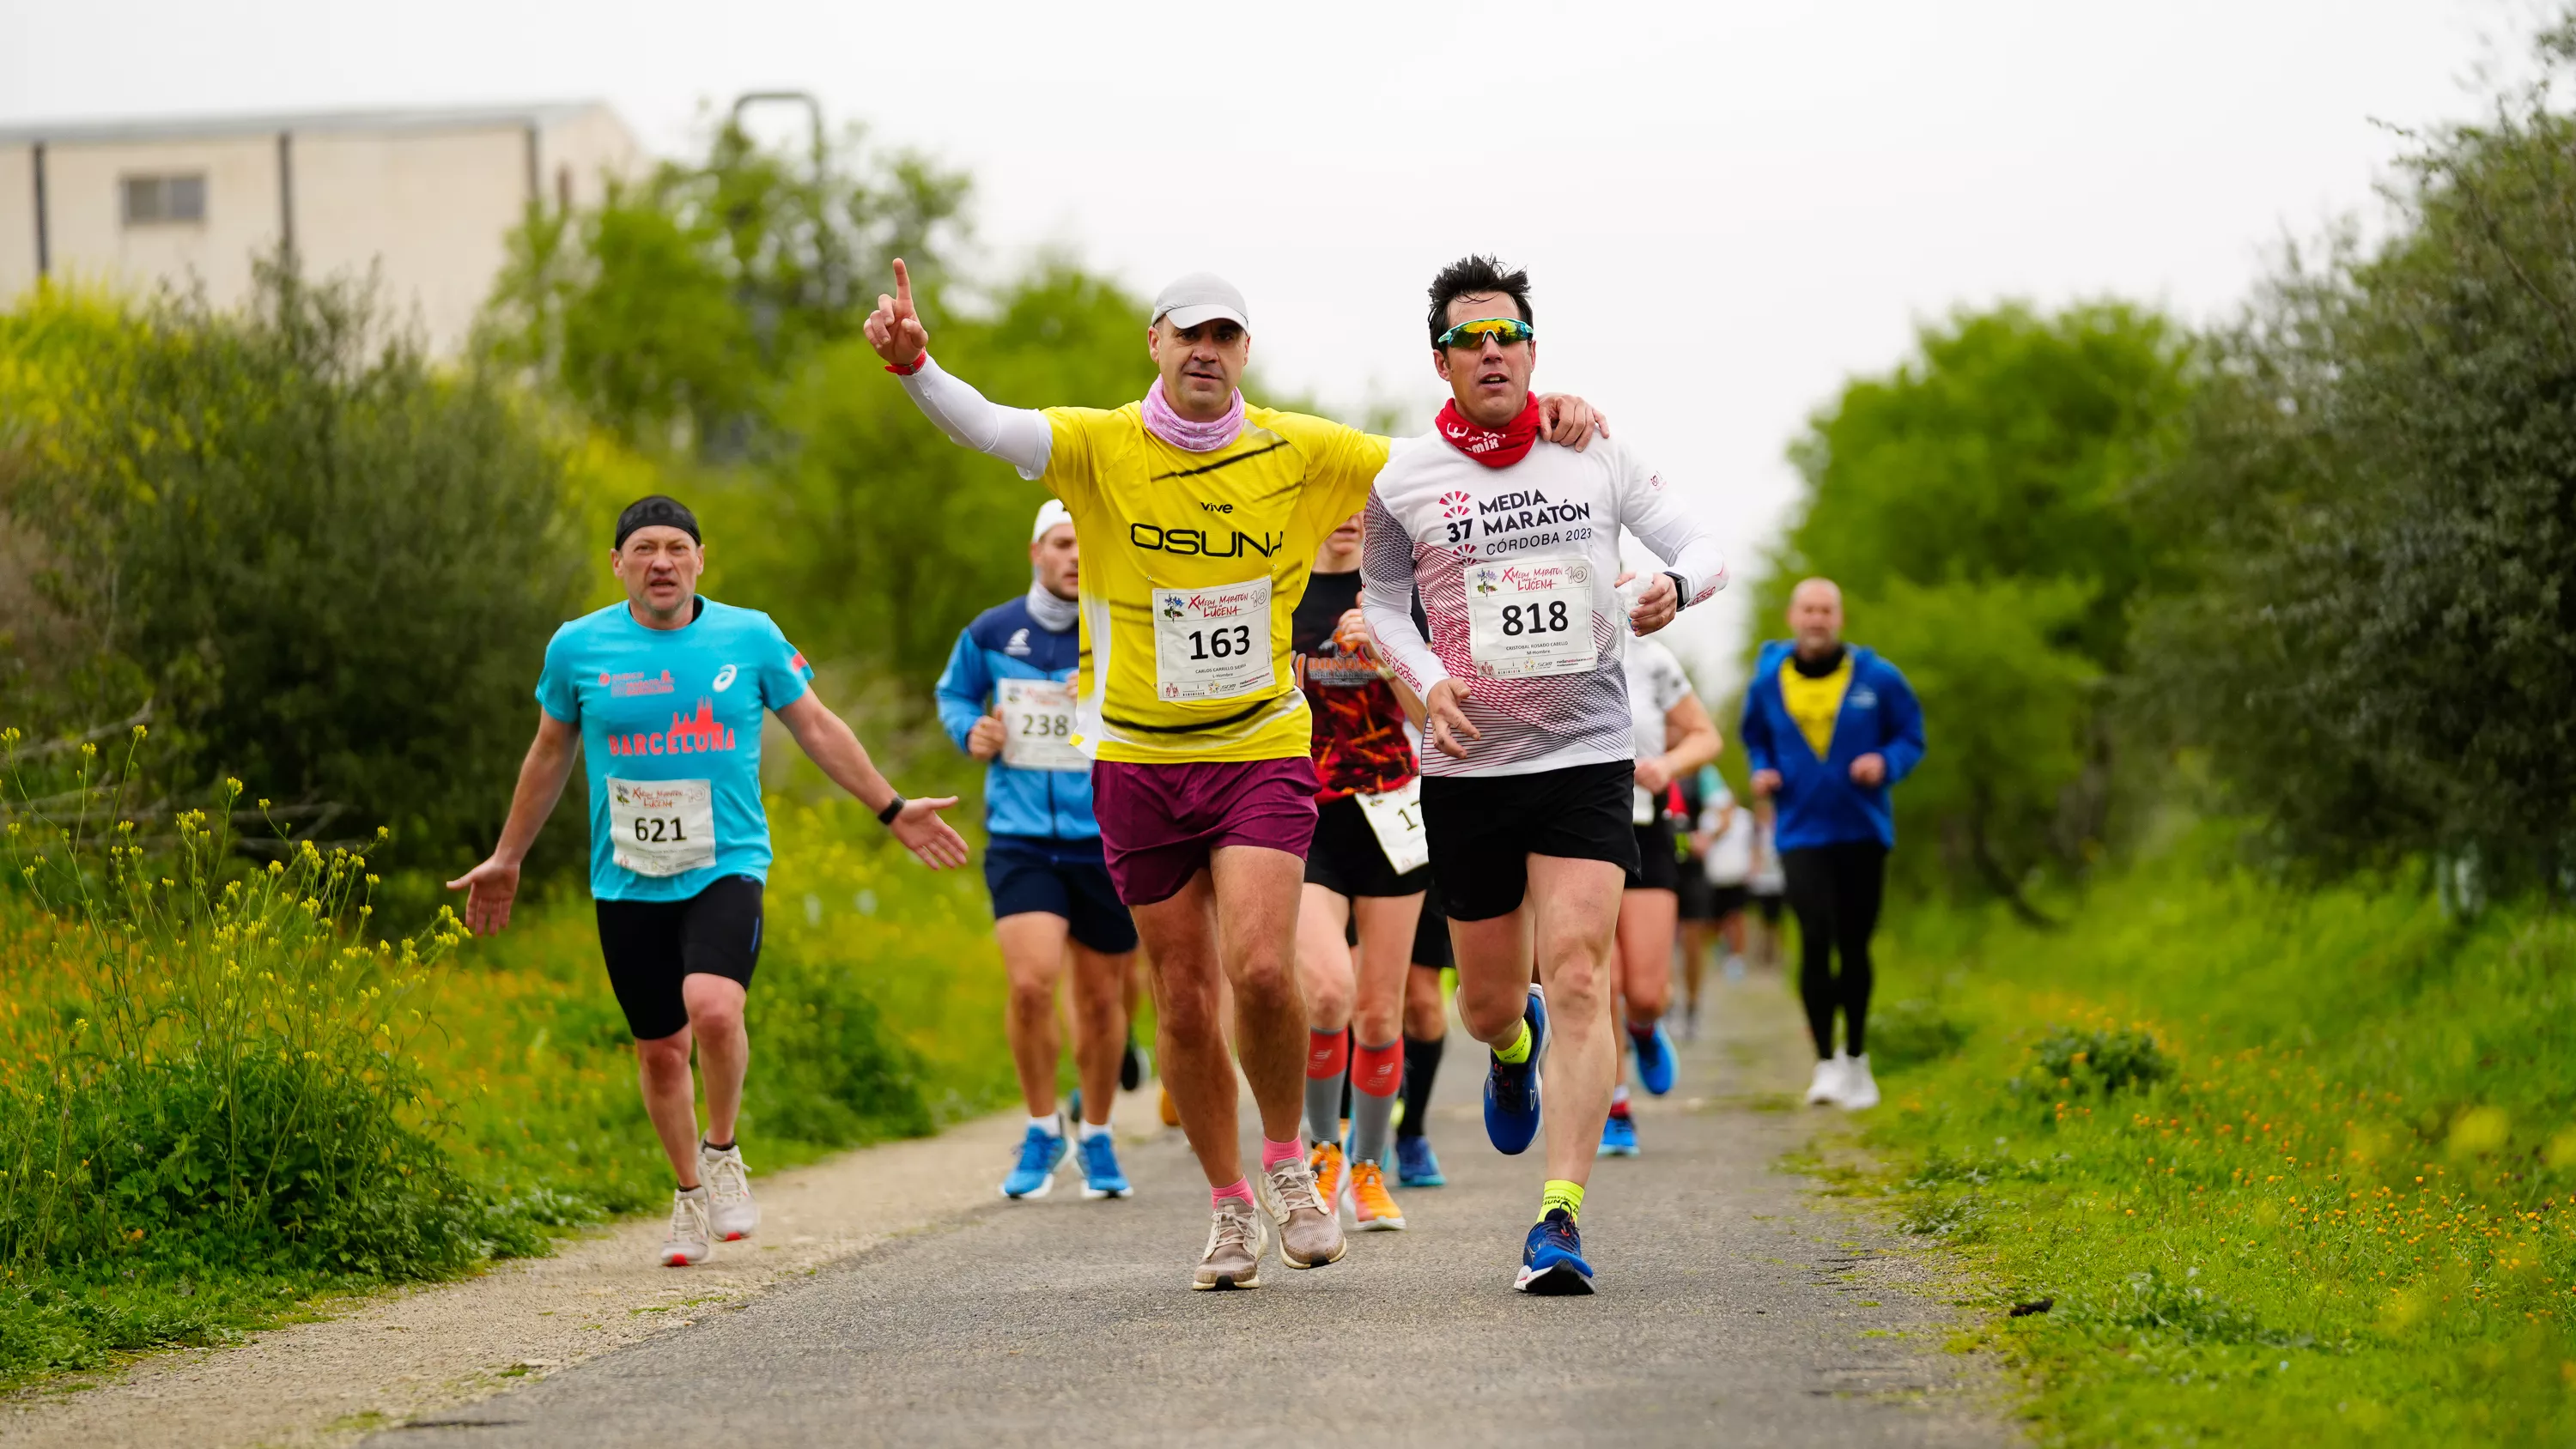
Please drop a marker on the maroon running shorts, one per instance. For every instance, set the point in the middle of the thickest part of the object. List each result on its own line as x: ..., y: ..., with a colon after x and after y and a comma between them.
x: 1159, y: 822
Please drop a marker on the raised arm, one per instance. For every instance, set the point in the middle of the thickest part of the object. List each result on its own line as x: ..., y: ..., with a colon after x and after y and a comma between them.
x: 829, y: 742
x: 1017, y: 436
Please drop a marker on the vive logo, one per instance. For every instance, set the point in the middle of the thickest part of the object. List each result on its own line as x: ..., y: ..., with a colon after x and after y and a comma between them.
x: 724, y: 679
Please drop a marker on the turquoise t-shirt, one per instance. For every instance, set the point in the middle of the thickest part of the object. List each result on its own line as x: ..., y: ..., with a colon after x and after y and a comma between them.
x: 670, y: 734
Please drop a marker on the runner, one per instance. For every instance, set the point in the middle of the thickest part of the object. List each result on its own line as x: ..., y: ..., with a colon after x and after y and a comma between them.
x: 1197, y: 517
x: 1828, y: 729
x: 1368, y: 868
x: 1514, y: 544
x: 1673, y: 738
x: 1007, y: 698
x: 1724, y: 840
x: 1426, y: 1031
x: 663, y: 695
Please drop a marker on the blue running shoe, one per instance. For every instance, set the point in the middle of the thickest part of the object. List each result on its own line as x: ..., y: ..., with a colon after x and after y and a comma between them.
x: 1100, y: 1175
x: 1552, y: 1263
x: 1511, y: 1090
x: 1416, y: 1165
x: 1654, y: 1060
x: 1040, y: 1155
x: 1619, y: 1136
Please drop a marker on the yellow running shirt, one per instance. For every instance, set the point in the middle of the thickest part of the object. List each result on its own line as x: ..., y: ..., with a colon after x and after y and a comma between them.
x: 1815, y: 703
x: 1192, y: 566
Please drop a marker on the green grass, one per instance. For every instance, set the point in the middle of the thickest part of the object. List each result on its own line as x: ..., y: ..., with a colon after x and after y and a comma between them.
x: 2290, y: 1166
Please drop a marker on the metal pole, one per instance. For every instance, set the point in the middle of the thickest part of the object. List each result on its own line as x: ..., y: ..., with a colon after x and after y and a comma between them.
x: 44, y: 241
x: 286, y: 190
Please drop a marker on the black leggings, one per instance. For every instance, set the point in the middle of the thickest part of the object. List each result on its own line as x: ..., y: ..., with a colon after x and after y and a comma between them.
x: 1835, y: 891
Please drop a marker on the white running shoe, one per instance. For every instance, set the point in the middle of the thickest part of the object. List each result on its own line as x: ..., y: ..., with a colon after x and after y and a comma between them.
x: 691, y: 1240
x: 730, y: 1211
x: 1860, y: 1090
x: 1828, y: 1085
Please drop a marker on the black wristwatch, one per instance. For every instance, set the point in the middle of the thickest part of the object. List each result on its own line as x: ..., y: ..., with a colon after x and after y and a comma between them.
x: 894, y: 807
x: 1681, y: 591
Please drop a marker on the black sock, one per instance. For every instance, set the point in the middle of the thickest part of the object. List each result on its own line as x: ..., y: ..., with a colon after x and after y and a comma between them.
x: 1421, y: 1067
x: 715, y: 1146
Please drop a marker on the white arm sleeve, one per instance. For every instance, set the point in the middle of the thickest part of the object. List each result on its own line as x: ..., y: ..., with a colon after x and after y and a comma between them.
x: 1386, y: 601
x: 1674, y: 533
x: 1020, y: 437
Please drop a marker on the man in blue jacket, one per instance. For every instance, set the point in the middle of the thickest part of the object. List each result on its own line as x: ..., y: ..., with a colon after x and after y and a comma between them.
x: 1007, y: 698
x: 1828, y: 729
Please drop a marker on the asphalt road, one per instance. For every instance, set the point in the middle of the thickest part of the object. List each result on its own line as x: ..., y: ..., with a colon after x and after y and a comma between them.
x: 1735, y: 1307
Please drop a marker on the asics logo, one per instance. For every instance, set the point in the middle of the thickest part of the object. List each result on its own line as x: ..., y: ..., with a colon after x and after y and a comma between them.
x: 724, y: 679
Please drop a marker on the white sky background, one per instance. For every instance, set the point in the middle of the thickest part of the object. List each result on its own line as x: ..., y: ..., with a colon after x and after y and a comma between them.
x: 1727, y: 209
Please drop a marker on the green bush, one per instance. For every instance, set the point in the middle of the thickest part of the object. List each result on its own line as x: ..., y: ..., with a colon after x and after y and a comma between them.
x: 321, y: 563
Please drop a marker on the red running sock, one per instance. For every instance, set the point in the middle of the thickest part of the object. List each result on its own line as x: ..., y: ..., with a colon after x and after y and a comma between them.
x: 1327, y: 1052
x: 1379, y: 1070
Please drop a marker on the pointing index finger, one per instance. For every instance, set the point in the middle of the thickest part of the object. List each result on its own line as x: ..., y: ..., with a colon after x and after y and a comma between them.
x: 902, y: 289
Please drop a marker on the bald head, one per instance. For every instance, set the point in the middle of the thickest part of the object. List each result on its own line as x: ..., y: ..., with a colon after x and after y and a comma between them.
x: 1816, y: 616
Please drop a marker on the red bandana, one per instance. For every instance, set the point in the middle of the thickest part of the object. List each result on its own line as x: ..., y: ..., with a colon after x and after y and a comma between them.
x: 1491, y: 447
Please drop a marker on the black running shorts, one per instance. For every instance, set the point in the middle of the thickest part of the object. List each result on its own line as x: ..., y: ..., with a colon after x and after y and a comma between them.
x: 1059, y: 878
x: 1657, y: 868
x: 1484, y: 829
x: 1347, y: 859
x: 652, y: 945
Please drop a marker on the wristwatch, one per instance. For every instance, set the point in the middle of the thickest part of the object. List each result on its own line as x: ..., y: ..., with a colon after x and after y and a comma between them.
x: 894, y: 807
x: 1681, y: 591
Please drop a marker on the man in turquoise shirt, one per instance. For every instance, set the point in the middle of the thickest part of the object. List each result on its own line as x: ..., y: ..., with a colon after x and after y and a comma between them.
x: 664, y: 695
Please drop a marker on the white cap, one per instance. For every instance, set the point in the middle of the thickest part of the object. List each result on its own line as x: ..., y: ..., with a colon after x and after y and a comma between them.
x: 1050, y: 513
x: 1201, y: 297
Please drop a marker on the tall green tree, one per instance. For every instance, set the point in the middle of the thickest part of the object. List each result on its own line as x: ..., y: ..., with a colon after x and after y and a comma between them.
x: 2381, y: 647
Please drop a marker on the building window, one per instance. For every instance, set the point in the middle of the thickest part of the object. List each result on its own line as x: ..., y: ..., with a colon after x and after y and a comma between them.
x: 156, y: 200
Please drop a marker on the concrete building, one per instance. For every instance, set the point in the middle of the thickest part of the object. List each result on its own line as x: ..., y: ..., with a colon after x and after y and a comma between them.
x: 428, y: 195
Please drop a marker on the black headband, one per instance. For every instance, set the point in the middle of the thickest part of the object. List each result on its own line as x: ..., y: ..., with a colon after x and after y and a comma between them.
x: 657, y: 510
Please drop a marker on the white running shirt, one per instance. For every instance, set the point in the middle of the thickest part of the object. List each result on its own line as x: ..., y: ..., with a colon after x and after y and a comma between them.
x: 1544, y: 677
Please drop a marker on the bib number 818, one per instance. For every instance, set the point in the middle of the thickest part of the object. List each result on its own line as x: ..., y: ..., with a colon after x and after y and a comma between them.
x: 1220, y: 643
x: 1547, y: 618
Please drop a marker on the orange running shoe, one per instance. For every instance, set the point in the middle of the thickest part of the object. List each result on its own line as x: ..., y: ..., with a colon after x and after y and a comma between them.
x: 1332, y: 1175
x: 1171, y: 1113
x: 1372, y: 1207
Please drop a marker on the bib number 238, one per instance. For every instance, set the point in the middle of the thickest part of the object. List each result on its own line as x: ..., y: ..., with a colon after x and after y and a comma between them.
x: 662, y: 827
x: 1037, y: 725
x: 1212, y: 643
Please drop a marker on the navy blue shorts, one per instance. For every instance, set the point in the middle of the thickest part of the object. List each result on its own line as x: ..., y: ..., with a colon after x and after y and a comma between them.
x: 1065, y: 878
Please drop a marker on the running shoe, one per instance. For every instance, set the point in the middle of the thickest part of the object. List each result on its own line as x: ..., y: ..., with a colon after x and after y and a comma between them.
x: 1131, y: 1068
x: 1860, y: 1089
x: 1654, y: 1060
x: 691, y: 1241
x: 1237, y: 1238
x: 1552, y: 1263
x: 730, y: 1211
x: 1309, y: 1232
x: 1100, y: 1175
x: 1373, y: 1209
x: 1511, y: 1089
x: 1416, y: 1165
x: 1171, y: 1112
x: 1619, y: 1136
x: 1828, y: 1084
x: 1330, y: 1163
x: 1041, y: 1153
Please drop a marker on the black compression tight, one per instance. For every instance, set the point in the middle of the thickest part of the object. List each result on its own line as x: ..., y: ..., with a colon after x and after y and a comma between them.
x: 1835, y: 890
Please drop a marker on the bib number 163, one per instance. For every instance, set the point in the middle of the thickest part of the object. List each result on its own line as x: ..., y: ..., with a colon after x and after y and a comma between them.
x: 1223, y: 643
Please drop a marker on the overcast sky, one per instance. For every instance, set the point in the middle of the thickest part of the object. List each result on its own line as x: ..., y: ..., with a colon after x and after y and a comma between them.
x: 1727, y: 209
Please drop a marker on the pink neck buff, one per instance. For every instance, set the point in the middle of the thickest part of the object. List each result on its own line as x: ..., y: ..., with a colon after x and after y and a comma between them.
x: 1167, y: 424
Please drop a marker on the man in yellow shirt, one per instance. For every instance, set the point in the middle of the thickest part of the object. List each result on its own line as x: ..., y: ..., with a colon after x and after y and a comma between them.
x: 1197, y: 518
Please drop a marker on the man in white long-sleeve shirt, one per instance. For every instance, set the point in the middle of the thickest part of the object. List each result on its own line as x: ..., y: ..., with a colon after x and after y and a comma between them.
x: 1197, y: 519
x: 1514, y: 544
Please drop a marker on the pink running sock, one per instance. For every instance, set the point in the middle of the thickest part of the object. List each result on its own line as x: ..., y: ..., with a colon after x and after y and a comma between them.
x: 1275, y: 1153
x: 1241, y: 1187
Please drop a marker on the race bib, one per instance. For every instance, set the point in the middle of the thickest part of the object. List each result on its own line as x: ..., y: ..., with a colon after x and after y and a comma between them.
x: 1037, y: 724
x: 1396, y: 816
x: 1530, y: 618
x: 662, y: 827
x: 1212, y: 643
